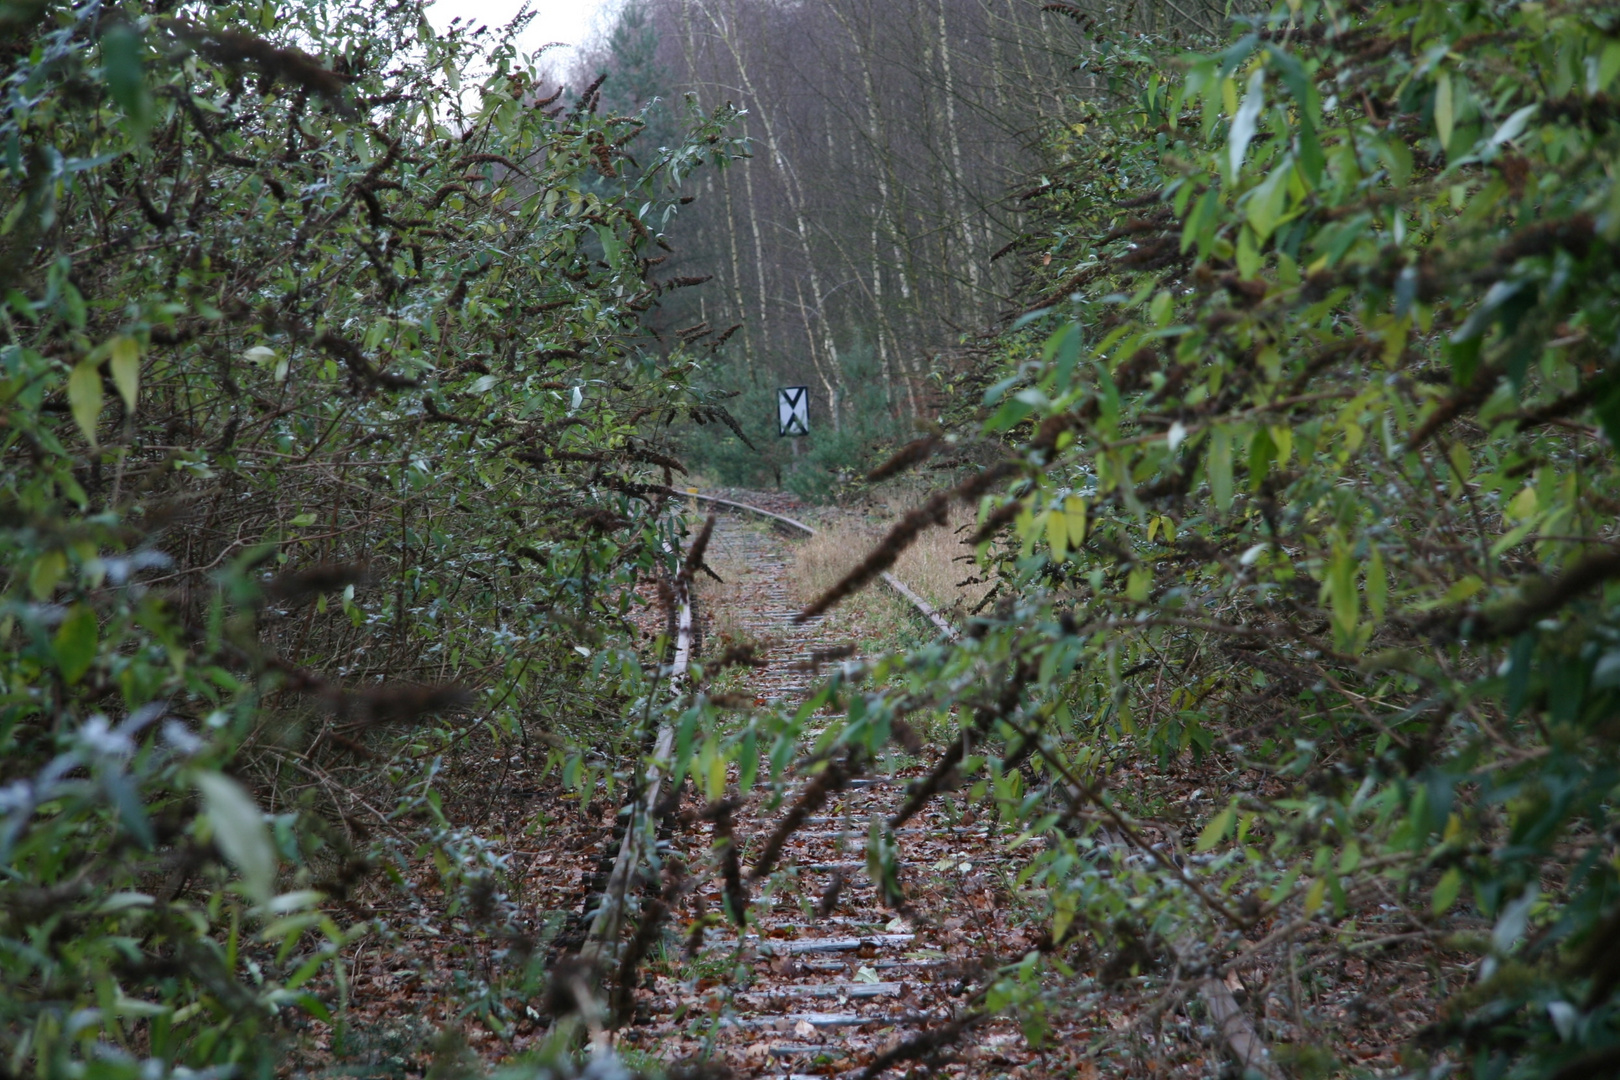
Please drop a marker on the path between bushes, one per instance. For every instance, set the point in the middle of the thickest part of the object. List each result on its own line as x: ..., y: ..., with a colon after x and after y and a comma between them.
x: 828, y: 977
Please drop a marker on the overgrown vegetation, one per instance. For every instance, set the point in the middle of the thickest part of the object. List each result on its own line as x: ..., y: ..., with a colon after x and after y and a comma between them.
x: 1308, y: 493
x: 328, y: 462
x: 322, y: 459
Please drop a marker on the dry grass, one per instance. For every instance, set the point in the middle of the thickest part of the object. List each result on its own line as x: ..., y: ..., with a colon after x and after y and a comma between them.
x: 939, y: 566
x: 929, y: 566
x: 874, y: 615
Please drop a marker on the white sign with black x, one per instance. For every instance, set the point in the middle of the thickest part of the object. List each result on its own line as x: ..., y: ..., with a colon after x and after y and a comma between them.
x: 793, y: 410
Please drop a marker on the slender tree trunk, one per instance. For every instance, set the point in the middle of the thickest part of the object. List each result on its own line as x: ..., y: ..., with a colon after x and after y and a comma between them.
x: 958, y: 177
x: 740, y: 313
x: 880, y: 328
x: 815, y: 359
x: 759, y: 248
x: 882, y: 160
x: 998, y: 68
x: 727, y: 32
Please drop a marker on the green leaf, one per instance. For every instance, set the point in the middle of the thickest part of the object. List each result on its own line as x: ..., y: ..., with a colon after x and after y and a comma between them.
x: 1268, y: 201
x: 1314, y: 896
x: 1377, y: 585
x: 1217, y: 829
x: 1161, y: 308
x: 1514, y: 125
x: 1292, y: 74
x: 1398, y: 157
x: 126, y: 79
x: 1074, y: 508
x: 84, y: 397
x: 1064, y: 347
x: 46, y: 572
x: 1446, y: 890
x: 131, y: 813
x: 1200, y: 226
x: 1009, y: 415
x: 75, y: 643
x: 315, y: 1007
x: 240, y: 832
x: 1350, y: 858
x: 1604, y: 71
x: 1262, y: 452
x: 1243, y: 124
x: 1063, y: 910
x: 1444, y: 115
x: 1463, y: 589
x: 1312, y: 162
x: 1341, y: 586
x: 1139, y: 584
x: 1219, y: 468
x: 715, y: 775
x: 610, y: 244
x: 1057, y: 534
x: 1248, y: 253
x: 125, y: 361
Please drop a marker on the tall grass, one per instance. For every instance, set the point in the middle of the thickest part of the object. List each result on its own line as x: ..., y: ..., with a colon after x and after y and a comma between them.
x: 938, y: 565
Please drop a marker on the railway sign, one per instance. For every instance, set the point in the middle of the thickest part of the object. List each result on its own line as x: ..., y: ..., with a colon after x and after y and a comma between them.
x: 793, y: 410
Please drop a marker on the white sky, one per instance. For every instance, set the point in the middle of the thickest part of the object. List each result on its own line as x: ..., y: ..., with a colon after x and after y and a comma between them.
x: 570, y: 21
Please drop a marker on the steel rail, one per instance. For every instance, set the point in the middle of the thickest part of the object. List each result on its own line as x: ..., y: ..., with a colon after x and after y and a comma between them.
x: 1237, y: 1030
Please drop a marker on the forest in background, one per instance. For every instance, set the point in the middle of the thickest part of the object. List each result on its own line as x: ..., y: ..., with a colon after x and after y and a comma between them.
x: 341, y: 421
x: 876, y: 226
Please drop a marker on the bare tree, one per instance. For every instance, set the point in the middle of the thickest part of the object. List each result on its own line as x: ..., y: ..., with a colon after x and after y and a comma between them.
x: 888, y: 141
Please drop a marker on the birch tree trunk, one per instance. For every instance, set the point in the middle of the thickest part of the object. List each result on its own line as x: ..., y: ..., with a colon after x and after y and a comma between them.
x: 877, y: 137
x: 727, y: 31
x: 968, y: 241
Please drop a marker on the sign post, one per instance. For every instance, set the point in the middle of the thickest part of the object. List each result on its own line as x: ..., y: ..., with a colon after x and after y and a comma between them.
x: 792, y: 411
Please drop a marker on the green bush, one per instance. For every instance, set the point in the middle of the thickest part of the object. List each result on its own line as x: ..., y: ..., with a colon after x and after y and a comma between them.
x: 303, y: 343
x: 1307, y: 485
x: 1321, y: 425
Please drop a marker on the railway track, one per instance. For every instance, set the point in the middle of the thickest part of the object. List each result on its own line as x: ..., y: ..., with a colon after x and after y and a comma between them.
x: 837, y: 971
x: 828, y: 975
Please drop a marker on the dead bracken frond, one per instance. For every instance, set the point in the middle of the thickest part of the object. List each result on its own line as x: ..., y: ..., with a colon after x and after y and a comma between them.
x: 913, y: 453
x: 275, y: 63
